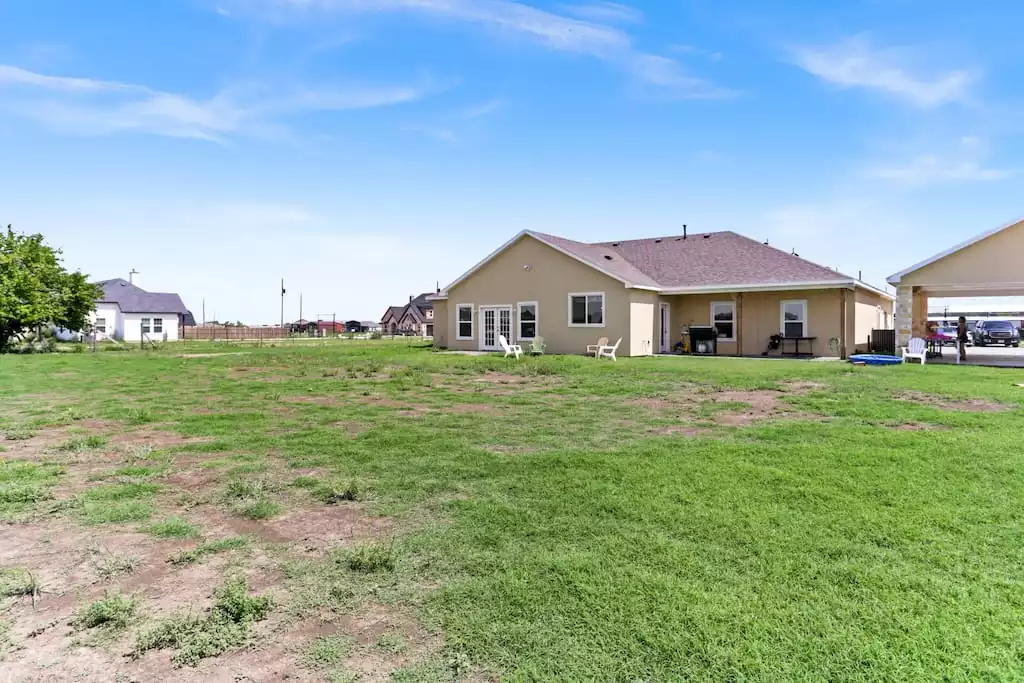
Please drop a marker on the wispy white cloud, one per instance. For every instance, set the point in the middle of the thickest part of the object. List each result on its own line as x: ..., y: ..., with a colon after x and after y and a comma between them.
x: 606, y: 12
x: 483, y: 109
x: 436, y: 132
x: 855, y: 63
x: 553, y: 31
x: 681, y: 48
x: 964, y: 160
x: 931, y: 169
x: 83, y: 106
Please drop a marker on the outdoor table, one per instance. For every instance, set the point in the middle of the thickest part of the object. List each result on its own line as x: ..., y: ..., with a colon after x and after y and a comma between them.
x: 796, y: 346
x: 934, y: 349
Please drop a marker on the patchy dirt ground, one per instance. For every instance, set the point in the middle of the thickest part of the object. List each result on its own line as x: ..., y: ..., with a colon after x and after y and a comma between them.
x: 74, y: 564
x: 973, y: 405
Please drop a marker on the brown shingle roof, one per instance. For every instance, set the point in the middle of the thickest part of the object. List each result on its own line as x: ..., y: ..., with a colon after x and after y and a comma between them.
x: 603, y: 258
x: 718, y: 259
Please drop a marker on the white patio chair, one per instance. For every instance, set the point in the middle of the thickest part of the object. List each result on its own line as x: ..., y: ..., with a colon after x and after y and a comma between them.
x: 510, y: 349
x: 609, y: 351
x: 594, y: 348
x: 917, y: 348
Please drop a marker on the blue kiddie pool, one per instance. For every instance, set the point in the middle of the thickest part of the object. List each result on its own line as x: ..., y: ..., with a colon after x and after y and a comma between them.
x: 875, y: 359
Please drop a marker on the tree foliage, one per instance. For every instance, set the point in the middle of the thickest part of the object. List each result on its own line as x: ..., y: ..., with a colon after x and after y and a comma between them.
x: 36, y: 289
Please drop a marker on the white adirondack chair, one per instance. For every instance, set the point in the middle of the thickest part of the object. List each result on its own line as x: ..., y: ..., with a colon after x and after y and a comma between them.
x: 510, y: 349
x: 594, y: 348
x: 609, y: 351
x: 917, y: 348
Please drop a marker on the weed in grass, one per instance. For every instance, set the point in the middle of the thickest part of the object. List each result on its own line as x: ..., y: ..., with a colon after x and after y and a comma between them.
x: 111, y: 612
x: 108, y: 564
x: 369, y: 558
x: 195, y: 638
x: 130, y: 472
x: 79, y: 444
x: 72, y: 414
x: 173, y: 527
x: 209, y: 548
x: 138, y: 415
x: 137, y: 452
x: 247, y: 468
x: 331, y: 493
x: 11, y: 494
x: 18, y: 434
x: 19, y: 582
x: 305, y: 482
x: 392, y: 643
x: 326, y: 651
x: 258, y: 509
x: 116, y: 503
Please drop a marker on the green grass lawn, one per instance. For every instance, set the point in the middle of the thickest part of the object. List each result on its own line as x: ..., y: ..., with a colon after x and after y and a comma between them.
x: 657, y: 519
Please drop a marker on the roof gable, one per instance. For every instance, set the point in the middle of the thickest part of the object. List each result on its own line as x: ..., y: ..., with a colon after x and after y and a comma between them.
x: 895, y: 278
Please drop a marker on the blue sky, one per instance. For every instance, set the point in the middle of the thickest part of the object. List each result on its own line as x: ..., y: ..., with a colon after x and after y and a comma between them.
x: 365, y: 149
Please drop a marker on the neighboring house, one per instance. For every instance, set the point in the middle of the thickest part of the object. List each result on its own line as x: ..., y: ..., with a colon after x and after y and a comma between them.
x: 415, y: 318
x: 647, y: 291
x: 126, y: 312
x: 988, y: 265
x: 370, y: 326
x: 389, y: 321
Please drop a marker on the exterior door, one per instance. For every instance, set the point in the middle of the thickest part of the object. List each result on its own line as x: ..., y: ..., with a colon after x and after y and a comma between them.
x: 666, y: 332
x: 494, y: 321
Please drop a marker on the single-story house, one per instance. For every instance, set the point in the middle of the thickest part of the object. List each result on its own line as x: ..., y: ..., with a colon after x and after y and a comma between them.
x: 648, y: 291
x: 984, y: 266
x: 415, y: 318
x: 126, y: 312
x: 370, y: 326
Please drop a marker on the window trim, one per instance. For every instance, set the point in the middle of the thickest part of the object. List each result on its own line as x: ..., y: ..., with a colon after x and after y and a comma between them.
x: 100, y: 325
x: 782, y: 316
x: 145, y: 325
x: 153, y: 324
x: 604, y: 309
x: 731, y: 304
x: 519, y: 319
x: 472, y: 322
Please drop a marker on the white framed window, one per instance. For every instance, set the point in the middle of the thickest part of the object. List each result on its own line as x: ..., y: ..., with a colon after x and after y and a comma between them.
x: 723, y: 319
x: 793, y: 318
x: 586, y: 309
x: 101, y: 325
x: 158, y: 325
x: 145, y: 326
x: 527, y: 319
x: 464, y: 322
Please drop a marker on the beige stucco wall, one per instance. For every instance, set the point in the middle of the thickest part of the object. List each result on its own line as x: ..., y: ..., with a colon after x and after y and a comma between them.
x: 643, y: 312
x: 440, y: 325
x: 551, y: 276
x: 869, y: 308
x: 760, y: 316
x: 996, y: 260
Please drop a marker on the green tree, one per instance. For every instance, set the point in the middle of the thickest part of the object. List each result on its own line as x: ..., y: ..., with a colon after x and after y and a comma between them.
x: 35, y: 288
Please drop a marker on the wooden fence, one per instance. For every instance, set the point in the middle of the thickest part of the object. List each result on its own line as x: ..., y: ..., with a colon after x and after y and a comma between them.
x: 233, y: 333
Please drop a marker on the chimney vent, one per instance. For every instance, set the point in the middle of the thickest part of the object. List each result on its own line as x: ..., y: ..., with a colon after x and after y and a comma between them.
x: 410, y: 298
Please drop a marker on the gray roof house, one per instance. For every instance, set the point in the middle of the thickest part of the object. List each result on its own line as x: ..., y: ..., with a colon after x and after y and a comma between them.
x: 126, y: 311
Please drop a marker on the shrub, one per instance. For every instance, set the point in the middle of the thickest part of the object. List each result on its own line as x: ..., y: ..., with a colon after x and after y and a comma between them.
x: 113, y: 611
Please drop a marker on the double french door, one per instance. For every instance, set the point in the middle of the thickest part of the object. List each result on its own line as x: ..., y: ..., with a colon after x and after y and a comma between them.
x: 495, y: 321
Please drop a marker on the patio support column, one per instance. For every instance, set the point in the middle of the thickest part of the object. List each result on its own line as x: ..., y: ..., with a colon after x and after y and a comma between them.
x: 904, y: 315
x: 738, y: 324
x: 919, y: 327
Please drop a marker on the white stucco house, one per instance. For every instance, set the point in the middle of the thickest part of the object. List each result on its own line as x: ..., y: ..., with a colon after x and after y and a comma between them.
x: 126, y: 312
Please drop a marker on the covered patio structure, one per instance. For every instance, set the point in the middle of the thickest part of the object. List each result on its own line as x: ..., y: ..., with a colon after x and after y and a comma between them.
x: 990, y: 265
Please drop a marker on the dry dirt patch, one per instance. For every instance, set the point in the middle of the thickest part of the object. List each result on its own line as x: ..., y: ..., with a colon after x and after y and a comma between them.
x: 756, y: 405
x: 968, y: 405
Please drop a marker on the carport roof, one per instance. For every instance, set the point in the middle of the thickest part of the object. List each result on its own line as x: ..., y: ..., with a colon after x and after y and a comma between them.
x: 895, y: 278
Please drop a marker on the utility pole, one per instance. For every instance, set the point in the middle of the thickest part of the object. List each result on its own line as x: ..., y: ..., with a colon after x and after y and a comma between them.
x: 204, y: 311
x: 300, y: 306
x: 282, y: 303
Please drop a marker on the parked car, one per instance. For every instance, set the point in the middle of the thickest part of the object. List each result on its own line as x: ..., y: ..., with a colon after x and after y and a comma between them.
x: 1002, y: 332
